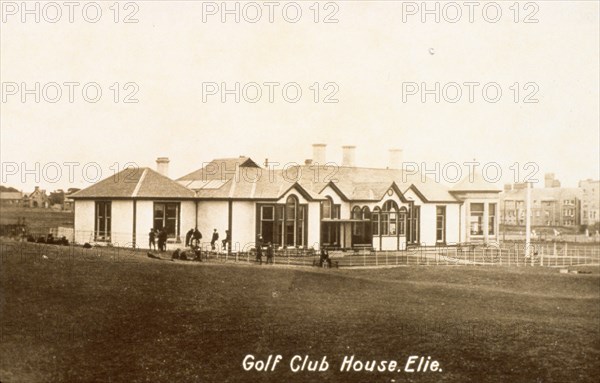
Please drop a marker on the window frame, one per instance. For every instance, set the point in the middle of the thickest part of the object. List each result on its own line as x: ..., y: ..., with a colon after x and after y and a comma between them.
x: 107, y: 221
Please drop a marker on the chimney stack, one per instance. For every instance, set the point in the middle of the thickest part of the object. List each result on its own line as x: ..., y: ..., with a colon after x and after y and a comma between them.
x: 348, y: 156
x: 319, y: 154
x: 396, y: 159
x: 162, y: 166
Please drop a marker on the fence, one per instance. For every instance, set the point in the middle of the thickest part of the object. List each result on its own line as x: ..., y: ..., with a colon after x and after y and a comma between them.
x: 508, y: 254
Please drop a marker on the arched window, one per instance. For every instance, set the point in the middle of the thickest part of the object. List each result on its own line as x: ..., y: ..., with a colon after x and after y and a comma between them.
x: 375, y: 220
x: 327, y: 207
x: 356, y: 212
x: 366, y: 213
x: 390, y: 206
x: 389, y: 218
x: 291, y: 210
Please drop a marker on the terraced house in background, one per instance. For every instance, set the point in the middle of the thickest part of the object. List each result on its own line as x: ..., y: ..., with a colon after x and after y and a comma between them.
x: 300, y: 206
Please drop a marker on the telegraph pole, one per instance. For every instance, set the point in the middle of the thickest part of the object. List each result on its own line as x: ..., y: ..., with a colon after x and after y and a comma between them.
x: 528, y: 222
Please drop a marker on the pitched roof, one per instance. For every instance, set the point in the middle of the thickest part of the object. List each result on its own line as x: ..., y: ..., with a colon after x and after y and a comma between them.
x: 476, y: 182
x: 372, y: 184
x: 364, y: 184
x: 135, y: 183
x: 219, y: 169
x: 263, y: 184
x: 10, y: 195
x: 542, y: 194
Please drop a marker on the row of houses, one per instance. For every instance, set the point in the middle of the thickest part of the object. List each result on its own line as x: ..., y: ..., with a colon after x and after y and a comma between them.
x: 302, y: 206
x: 36, y: 199
x: 552, y: 205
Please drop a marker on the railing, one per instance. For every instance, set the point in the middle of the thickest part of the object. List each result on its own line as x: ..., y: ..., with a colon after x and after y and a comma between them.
x: 507, y: 254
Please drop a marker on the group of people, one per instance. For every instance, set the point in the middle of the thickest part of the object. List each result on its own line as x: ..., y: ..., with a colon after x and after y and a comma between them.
x: 161, y: 236
x: 259, y: 251
x: 192, y: 239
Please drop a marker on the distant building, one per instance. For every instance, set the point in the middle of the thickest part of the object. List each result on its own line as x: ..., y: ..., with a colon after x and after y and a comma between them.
x: 590, y: 201
x: 10, y: 198
x: 551, y: 205
x: 37, y: 199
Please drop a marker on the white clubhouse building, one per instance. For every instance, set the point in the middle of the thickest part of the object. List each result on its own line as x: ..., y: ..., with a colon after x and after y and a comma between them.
x: 302, y: 206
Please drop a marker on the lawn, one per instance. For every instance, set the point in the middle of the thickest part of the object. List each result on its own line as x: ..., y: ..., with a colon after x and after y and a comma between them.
x: 38, y: 220
x: 80, y: 317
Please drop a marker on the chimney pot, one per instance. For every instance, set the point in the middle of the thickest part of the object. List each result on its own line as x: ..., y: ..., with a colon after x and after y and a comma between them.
x: 395, y: 159
x: 162, y: 166
x: 348, y: 156
x: 319, y: 154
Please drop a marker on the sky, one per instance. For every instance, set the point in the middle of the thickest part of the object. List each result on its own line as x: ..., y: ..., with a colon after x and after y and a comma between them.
x: 361, y: 66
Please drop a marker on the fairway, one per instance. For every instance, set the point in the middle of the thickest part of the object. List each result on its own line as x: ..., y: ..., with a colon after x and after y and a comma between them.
x: 89, y: 318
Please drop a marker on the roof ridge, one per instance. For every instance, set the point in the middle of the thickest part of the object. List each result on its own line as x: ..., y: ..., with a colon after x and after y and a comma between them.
x: 139, y: 184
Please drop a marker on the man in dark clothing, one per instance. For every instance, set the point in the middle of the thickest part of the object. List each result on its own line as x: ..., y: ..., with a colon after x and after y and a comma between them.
x: 152, y: 239
x: 188, y: 237
x: 259, y: 243
x: 269, y: 253
x: 159, y: 238
x: 196, y: 237
x: 215, y: 238
x: 162, y: 239
x: 325, y: 261
x: 225, y: 242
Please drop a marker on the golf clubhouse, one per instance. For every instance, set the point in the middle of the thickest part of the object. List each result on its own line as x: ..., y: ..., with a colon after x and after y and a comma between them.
x: 299, y: 206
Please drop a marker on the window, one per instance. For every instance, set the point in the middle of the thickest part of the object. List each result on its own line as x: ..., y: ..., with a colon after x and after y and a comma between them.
x: 335, y: 211
x: 300, y: 225
x: 329, y: 209
x: 166, y: 215
x: 327, y: 206
x: 375, y: 221
x: 283, y: 224
x: 440, y: 225
x: 291, y: 207
x: 103, y: 221
x: 492, y: 219
x: 268, y: 213
x: 267, y: 229
x: 413, y: 225
x: 402, y: 221
x: 393, y: 223
x: 476, y: 219
x: 389, y: 218
x: 278, y: 234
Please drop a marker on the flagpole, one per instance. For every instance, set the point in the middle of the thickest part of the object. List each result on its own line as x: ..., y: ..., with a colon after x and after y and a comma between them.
x: 528, y: 222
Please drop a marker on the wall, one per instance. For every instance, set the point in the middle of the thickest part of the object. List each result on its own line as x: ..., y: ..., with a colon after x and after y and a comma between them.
x: 211, y: 215
x: 84, y: 221
x: 314, y: 225
x: 453, y: 221
x: 428, y: 224
x: 121, y: 223
x: 243, y: 225
x: 144, y: 221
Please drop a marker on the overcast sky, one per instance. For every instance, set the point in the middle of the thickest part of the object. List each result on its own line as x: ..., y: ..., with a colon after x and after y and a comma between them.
x: 370, y: 55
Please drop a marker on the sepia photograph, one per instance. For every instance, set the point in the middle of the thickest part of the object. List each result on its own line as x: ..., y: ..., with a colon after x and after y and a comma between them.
x: 370, y: 191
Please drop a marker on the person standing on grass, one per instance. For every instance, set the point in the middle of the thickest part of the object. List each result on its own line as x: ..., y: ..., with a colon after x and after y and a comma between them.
x: 259, y: 242
x: 215, y: 238
x: 196, y: 237
x: 152, y: 239
x: 162, y: 239
x: 159, y: 238
x: 188, y: 237
x: 226, y: 240
x: 269, y: 253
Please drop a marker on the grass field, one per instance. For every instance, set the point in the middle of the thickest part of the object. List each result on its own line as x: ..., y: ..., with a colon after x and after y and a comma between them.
x: 38, y: 220
x: 88, y: 318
